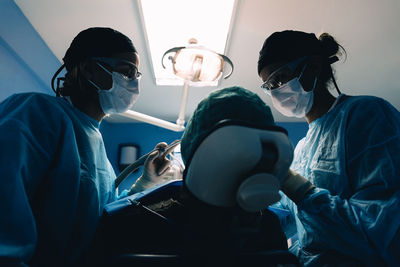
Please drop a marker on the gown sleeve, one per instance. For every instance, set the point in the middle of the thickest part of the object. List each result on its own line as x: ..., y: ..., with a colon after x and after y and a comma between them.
x: 21, y: 160
x: 26, y: 156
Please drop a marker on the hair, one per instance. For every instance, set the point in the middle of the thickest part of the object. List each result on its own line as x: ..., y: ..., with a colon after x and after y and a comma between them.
x: 290, y: 45
x: 331, y: 51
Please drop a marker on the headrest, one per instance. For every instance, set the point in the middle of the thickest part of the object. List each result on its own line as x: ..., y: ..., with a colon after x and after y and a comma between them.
x: 239, y: 164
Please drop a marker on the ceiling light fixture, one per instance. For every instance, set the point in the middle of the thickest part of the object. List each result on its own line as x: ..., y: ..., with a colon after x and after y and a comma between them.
x: 167, y: 23
x: 195, y: 65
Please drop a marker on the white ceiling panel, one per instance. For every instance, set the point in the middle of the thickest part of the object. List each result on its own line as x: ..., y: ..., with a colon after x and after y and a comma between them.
x: 368, y: 30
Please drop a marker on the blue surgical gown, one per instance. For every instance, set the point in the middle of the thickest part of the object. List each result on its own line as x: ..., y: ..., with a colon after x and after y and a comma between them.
x: 352, y: 155
x: 55, y: 179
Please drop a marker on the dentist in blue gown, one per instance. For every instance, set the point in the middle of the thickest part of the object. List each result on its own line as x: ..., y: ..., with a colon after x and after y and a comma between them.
x: 344, y: 185
x: 55, y: 177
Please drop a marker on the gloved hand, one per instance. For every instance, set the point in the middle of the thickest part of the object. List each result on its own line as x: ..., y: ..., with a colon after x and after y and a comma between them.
x: 156, y: 170
x: 296, y: 186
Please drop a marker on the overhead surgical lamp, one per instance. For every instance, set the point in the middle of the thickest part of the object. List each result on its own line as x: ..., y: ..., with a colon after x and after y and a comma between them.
x: 196, y: 66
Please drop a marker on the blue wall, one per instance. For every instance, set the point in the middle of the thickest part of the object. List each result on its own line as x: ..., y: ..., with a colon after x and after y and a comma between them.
x: 15, y: 76
x: 26, y: 62
x: 147, y: 136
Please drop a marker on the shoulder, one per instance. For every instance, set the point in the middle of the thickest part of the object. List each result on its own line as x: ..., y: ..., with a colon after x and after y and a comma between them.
x: 366, y: 103
x: 370, y: 119
x: 33, y: 109
x: 370, y: 108
x: 23, y: 97
x: 36, y: 101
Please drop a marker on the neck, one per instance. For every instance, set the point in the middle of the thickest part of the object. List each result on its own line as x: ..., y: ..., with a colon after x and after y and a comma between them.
x: 88, y: 104
x: 323, y: 100
x: 90, y: 110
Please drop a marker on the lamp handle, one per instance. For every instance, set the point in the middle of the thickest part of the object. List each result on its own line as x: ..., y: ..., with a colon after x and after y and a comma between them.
x: 230, y: 63
x: 175, y: 49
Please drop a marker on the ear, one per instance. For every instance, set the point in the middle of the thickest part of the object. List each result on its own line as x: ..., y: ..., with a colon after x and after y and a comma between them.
x: 86, y: 69
x: 71, y: 76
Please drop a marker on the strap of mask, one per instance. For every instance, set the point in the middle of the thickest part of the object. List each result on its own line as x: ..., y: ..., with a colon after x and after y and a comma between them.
x: 332, y: 60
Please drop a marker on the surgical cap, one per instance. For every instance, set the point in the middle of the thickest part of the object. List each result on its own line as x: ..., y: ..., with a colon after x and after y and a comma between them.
x: 287, y: 46
x: 96, y: 42
x: 234, y: 103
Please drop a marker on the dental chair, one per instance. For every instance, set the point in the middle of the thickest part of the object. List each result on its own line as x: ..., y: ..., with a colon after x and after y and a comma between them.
x: 231, y: 178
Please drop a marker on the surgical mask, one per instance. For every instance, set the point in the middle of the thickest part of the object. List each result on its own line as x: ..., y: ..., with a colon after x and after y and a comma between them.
x: 121, y: 96
x: 291, y: 99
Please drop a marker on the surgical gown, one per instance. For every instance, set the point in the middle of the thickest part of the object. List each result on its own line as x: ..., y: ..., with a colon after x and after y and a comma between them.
x: 55, y: 179
x: 352, y: 156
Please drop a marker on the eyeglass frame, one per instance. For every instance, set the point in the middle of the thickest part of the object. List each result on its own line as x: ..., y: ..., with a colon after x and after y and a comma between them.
x: 292, y: 65
x: 112, y: 62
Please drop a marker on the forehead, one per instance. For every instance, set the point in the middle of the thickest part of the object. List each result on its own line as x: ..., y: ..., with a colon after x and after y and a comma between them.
x: 270, y: 68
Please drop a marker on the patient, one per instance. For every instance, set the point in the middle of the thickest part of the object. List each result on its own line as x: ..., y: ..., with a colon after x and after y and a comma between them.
x: 209, y: 226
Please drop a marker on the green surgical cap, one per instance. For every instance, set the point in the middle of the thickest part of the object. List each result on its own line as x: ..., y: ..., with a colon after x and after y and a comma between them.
x: 233, y: 103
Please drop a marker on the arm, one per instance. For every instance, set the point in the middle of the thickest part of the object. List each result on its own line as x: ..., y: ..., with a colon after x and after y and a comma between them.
x: 20, y: 161
x: 26, y: 147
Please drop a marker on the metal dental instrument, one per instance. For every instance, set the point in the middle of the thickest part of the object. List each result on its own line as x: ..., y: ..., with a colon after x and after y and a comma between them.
x: 138, y: 163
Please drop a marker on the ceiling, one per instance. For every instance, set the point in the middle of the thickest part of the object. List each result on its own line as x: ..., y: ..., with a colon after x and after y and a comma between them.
x: 368, y: 30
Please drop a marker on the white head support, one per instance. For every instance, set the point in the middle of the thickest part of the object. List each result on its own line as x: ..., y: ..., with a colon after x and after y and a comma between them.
x: 238, y: 164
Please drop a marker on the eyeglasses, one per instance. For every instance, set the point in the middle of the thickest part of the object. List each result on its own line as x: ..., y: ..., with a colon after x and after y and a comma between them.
x: 283, y: 74
x: 125, y: 67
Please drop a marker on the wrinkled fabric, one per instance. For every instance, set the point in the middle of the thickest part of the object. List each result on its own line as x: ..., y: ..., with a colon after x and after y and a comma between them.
x: 55, y: 179
x: 352, y: 155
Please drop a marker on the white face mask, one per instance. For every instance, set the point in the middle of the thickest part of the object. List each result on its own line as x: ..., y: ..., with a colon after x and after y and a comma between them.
x: 121, y: 96
x: 291, y: 100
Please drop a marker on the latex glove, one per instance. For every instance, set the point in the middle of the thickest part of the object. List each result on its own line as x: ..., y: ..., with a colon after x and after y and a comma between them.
x: 156, y: 170
x: 172, y: 173
x: 296, y: 186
